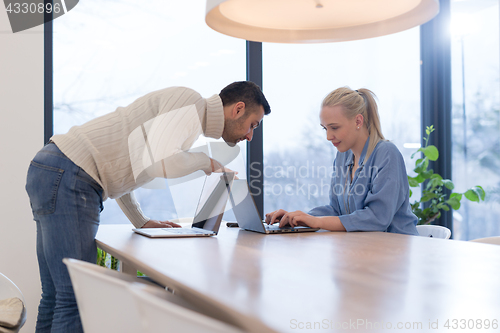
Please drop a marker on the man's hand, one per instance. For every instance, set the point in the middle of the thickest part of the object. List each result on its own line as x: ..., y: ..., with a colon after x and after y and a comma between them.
x: 219, y: 168
x: 160, y: 224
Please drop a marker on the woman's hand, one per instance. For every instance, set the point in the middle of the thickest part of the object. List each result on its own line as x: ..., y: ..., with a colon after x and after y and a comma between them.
x: 160, y: 224
x: 275, y: 216
x: 299, y: 218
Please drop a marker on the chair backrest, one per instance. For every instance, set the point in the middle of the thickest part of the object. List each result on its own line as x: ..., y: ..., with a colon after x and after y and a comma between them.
x: 435, y: 231
x: 104, y: 301
x: 488, y: 240
x: 170, y: 313
x: 8, y: 289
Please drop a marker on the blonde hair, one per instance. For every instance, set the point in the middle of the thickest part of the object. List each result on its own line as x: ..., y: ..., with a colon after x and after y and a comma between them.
x: 354, y: 102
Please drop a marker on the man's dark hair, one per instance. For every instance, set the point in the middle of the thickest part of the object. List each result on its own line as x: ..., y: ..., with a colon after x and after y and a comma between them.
x: 246, y: 92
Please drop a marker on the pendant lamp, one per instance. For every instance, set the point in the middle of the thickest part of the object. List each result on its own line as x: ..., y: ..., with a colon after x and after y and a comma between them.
x: 316, y: 21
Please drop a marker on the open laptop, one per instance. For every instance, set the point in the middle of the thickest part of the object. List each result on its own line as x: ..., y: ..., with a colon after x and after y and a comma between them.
x: 208, y: 217
x: 248, y: 216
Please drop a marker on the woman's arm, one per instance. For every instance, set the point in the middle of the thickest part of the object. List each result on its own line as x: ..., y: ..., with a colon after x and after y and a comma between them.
x: 299, y: 218
x: 386, y: 194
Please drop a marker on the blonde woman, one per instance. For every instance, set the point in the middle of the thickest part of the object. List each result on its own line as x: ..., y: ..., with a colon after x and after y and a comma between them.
x: 369, y: 189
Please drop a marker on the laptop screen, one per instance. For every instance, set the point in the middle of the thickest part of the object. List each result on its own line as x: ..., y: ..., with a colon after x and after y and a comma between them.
x: 212, y: 203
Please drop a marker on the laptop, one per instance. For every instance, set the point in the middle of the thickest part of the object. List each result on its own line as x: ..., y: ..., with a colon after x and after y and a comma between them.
x: 248, y: 216
x: 208, y: 217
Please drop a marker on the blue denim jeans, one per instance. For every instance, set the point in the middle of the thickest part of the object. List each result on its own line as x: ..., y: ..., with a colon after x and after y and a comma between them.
x: 66, y: 203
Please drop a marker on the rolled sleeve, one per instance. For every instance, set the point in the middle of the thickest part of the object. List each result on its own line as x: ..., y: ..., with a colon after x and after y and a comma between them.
x: 132, y: 209
x: 384, y: 196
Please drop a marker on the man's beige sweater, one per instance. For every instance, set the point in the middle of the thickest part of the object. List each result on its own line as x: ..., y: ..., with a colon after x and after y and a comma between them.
x: 150, y: 138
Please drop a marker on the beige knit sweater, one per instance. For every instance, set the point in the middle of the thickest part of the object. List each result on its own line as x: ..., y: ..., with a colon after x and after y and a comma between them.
x: 150, y: 138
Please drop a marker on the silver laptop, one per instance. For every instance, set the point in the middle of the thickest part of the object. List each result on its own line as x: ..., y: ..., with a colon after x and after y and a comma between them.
x: 208, y: 217
x: 248, y: 216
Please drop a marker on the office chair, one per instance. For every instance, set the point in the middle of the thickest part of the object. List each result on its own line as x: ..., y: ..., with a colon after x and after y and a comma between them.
x: 104, y: 301
x: 435, y: 231
x: 165, y: 312
x: 12, y: 309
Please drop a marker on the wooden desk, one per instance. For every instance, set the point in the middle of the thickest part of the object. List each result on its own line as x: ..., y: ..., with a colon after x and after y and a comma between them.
x: 324, y: 280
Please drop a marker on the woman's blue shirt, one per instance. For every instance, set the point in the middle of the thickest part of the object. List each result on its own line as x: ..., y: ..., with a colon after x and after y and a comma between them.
x: 377, y: 199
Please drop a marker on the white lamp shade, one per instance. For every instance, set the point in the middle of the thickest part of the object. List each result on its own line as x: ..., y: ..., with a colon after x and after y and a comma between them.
x: 316, y: 21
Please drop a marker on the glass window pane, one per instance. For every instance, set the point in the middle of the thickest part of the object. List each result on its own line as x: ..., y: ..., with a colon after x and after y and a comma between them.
x: 297, y: 157
x: 476, y: 117
x: 109, y: 53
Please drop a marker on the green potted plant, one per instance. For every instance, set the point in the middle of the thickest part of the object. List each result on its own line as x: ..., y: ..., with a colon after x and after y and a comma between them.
x: 433, y: 190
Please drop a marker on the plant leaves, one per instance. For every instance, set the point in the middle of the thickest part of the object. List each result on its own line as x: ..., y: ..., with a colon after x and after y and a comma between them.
x: 436, y: 176
x: 427, y: 174
x: 418, y: 165
x: 419, y: 178
x: 431, y: 152
x: 454, y: 202
x: 472, y: 195
x: 449, y: 184
x: 438, y: 182
x: 434, y: 193
x: 421, y: 165
x: 480, y: 191
x: 413, y: 182
x: 475, y: 194
x: 412, y: 155
x: 418, y: 151
x: 429, y: 186
x: 429, y: 129
x: 427, y: 197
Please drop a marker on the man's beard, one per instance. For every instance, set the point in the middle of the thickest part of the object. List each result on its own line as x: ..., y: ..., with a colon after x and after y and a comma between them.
x: 230, y: 128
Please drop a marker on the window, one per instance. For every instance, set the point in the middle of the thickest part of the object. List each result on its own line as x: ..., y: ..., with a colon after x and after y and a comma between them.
x: 297, y: 157
x: 476, y: 115
x: 108, y: 53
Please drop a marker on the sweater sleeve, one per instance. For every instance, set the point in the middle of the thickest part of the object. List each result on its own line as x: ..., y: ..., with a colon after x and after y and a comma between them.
x: 132, y: 209
x: 160, y: 147
x: 180, y: 164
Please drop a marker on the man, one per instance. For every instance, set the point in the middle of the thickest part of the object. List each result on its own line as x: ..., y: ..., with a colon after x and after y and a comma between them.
x: 111, y: 156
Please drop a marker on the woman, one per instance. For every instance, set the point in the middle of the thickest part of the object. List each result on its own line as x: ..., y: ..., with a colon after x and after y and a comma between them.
x: 369, y: 189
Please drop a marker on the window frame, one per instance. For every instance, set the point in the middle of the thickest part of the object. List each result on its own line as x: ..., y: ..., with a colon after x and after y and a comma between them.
x: 435, y: 94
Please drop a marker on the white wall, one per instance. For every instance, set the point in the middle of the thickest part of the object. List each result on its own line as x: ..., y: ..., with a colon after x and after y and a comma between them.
x: 21, y: 136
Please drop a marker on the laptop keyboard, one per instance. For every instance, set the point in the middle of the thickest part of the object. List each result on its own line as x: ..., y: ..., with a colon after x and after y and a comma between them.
x: 276, y: 227
x: 184, y: 230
